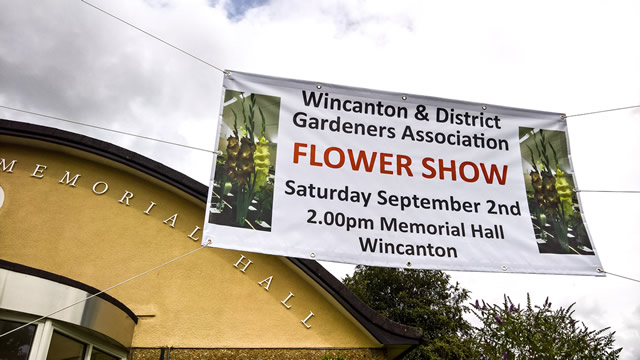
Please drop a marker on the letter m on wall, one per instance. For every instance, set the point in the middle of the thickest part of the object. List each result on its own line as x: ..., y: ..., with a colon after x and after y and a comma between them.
x: 67, y: 179
x: 5, y: 167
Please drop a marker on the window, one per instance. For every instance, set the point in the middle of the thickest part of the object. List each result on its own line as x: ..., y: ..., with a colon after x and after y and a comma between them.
x: 17, y: 345
x: 65, y: 341
x: 99, y: 355
x: 65, y: 348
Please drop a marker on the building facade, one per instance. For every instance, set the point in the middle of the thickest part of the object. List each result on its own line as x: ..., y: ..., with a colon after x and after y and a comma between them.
x: 78, y: 216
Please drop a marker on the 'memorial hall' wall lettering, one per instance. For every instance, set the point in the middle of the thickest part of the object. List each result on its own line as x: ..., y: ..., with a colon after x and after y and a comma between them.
x: 243, y: 263
x: 101, y: 187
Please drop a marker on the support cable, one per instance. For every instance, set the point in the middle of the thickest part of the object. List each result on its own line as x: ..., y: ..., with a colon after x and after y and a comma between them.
x: 105, y: 290
x: 157, y: 38
x: 107, y: 129
x: 611, y: 191
x: 218, y: 152
x: 601, y: 111
x: 620, y: 276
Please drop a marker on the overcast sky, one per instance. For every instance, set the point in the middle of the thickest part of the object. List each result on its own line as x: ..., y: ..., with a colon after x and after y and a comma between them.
x: 66, y: 59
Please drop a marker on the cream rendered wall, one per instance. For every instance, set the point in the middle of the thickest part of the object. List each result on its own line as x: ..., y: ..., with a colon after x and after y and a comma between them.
x: 200, y: 301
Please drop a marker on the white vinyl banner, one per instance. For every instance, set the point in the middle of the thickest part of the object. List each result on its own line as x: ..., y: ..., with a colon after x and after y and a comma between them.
x: 327, y: 172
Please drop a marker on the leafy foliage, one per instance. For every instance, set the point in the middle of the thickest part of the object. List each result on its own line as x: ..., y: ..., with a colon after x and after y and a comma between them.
x: 419, y: 298
x: 425, y: 299
x: 538, y: 332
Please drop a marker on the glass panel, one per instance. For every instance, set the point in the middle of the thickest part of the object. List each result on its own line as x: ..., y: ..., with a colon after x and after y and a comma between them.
x: 65, y: 348
x: 100, y: 355
x: 17, y: 345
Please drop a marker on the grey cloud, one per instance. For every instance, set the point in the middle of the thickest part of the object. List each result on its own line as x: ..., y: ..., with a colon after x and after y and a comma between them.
x: 236, y: 9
